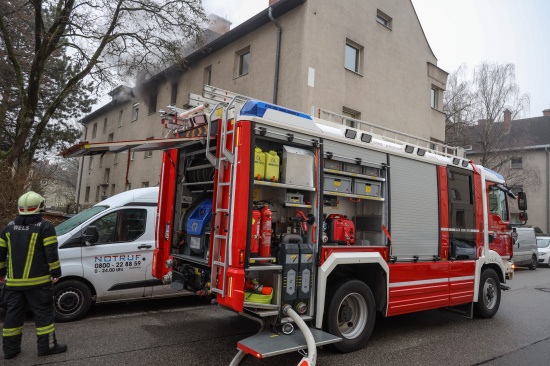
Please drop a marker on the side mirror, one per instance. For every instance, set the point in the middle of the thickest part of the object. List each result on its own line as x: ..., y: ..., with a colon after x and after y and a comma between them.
x: 522, y: 216
x: 522, y: 201
x: 90, y: 235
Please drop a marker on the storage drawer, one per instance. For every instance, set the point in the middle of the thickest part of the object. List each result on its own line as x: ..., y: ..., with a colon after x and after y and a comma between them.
x: 367, y: 188
x: 371, y: 171
x: 333, y: 164
x: 335, y: 183
x: 353, y: 168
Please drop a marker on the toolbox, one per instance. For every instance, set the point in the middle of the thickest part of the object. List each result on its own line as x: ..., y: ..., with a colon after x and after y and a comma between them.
x: 367, y: 188
x: 335, y: 183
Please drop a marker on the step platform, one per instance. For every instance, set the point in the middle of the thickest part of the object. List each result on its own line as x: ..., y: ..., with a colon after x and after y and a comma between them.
x: 267, y: 344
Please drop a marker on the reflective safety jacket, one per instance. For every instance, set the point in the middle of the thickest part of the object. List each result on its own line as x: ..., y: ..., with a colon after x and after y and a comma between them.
x: 28, y: 252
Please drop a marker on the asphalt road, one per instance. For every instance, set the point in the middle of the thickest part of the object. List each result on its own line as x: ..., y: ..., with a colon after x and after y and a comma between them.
x: 190, y: 332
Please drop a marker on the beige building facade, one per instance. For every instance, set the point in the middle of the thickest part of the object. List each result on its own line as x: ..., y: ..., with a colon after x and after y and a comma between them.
x: 364, y: 59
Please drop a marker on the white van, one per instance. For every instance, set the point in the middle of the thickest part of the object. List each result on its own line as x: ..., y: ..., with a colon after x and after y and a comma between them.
x: 106, y: 254
x: 525, y: 248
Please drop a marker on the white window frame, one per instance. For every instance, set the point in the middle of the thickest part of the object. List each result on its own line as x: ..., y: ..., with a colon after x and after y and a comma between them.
x: 357, y: 66
x: 94, y: 130
x: 240, y: 64
x: 384, y: 19
x: 433, y: 97
x: 91, y: 163
x: 348, y: 112
x: 135, y: 112
x: 120, y: 113
x: 105, y: 126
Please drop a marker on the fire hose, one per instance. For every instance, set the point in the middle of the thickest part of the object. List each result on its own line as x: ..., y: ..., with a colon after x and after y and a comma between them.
x: 311, y: 358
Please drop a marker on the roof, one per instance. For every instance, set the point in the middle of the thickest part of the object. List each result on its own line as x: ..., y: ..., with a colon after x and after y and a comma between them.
x: 279, y: 8
x: 527, y: 133
x: 120, y: 95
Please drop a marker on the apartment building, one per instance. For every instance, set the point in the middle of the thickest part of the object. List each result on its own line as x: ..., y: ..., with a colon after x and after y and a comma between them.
x: 360, y: 59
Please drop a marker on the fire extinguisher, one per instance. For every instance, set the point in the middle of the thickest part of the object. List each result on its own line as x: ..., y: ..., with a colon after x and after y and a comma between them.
x: 255, y: 242
x: 265, y: 232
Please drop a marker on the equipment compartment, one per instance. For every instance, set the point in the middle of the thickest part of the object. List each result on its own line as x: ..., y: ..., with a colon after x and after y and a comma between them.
x: 366, y: 187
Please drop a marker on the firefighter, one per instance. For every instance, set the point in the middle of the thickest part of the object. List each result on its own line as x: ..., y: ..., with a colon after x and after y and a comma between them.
x: 29, y: 257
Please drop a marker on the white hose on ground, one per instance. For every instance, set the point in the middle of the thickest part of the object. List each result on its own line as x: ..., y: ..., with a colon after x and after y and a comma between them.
x: 311, y: 347
x: 238, y: 358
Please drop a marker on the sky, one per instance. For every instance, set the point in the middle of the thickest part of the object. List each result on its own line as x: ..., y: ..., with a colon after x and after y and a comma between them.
x: 467, y: 32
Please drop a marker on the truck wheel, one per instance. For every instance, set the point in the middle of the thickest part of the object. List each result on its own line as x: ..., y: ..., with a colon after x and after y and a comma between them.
x: 533, y: 264
x: 351, y: 315
x: 72, y: 300
x: 489, y: 294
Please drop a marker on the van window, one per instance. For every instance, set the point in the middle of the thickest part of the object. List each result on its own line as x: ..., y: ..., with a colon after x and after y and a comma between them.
x: 76, y: 220
x: 121, y: 226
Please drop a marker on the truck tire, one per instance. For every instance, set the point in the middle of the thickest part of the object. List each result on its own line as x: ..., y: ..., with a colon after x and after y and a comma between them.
x: 533, y: 264
x: 351, y: 314
x: 489, y: 294
x: 72, y: 300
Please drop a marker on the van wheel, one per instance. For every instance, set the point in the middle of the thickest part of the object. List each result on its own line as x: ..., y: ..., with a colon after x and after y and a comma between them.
x: 72, y: 300
x: 351, y: 315
x: 533, y: 264
x: 489, y: 294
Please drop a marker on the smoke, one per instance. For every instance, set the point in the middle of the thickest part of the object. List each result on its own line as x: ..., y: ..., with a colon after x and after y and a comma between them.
x: 235, y: 11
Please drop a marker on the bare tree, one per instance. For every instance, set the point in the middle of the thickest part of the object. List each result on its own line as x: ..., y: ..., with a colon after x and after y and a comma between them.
x: 475, y: 113
x: 100, y: 41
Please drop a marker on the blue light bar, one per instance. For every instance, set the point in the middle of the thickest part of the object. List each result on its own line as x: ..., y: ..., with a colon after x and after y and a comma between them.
x: 257, y: 109
x: 495, y: 173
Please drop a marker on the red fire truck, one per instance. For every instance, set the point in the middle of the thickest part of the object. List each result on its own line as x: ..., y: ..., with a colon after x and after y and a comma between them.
x: 291, y: 219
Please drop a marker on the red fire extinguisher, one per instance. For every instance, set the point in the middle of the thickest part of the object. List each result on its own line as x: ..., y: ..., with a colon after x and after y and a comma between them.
x: 265, y: 232
x: 255, y: 242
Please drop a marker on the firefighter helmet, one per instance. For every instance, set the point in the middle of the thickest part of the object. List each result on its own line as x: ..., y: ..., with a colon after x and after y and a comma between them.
x: 30, y: 203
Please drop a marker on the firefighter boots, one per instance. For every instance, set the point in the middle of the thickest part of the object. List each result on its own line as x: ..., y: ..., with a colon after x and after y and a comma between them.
x: 47, y: 345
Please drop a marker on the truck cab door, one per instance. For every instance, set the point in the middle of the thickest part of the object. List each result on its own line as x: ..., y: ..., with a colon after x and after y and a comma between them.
x: 498, y: 217
x: 118, y: 262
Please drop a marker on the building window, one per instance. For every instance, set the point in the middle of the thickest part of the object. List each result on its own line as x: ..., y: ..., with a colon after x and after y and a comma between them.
x: 433, y: 98
x: 353, y: 56
x: 111, y: 137
x: 94, y: 131
x: 516, y: 189
x: 105, y: 126
x: 120, y: 118
x: 174, y: 94
x: 112, y: 189
x: 135, y: 112
x: 87, y: 195
x: 207, y: 79
x: 91, y: 163
x: 242, y: 62
x: 153, y: 103
x: 144, y: 184
x: 149, y: 153
x: 106, y: 176
x: 383, y: 19
x: 97, y: 190
x: 348, y: 112
x: 468, y: 148
x: 128, y: 186
x: 85, y: 132
x: 131, y: 155
x: 516, y: 163
x: 101, y: 161
x: 116, y: 158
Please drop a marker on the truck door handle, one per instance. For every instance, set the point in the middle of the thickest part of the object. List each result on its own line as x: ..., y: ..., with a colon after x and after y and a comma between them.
x: 145, y: 246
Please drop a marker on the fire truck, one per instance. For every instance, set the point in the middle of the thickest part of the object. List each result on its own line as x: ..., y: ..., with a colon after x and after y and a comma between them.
x: 301, y: 221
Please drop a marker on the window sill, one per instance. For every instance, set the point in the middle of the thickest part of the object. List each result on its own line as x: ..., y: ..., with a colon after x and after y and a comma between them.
x: 355, y: 72
x: 240, y: 76
x: 385, y: 26
x: 150, y: 113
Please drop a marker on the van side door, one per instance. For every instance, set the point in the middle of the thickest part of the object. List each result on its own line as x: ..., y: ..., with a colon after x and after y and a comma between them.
x: 116, y: 265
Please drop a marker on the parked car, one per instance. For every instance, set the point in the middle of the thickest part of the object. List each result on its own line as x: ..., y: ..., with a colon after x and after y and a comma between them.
x: 106, y: 255
x: 543, y: 245
x: 525, y: 248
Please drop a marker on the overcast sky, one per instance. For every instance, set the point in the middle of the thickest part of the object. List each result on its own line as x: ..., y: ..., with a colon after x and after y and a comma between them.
x: 467, y: 32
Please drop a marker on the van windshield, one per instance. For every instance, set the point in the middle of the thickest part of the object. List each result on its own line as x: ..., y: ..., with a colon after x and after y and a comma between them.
x: 76, y: 220
x: 543, y: 243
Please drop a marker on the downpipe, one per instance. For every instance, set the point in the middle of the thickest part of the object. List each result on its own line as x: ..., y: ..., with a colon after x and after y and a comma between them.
x: 311, y: 358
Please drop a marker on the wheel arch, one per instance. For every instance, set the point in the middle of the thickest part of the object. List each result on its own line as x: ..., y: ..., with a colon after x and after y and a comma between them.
x: 367, y: 267
x: 83, y: 280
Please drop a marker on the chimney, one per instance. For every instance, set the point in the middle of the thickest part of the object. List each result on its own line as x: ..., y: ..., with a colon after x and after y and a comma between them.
x: 546, y: 113
x: 218, y: 24
x: 507, y: 124
x: 271, y: 2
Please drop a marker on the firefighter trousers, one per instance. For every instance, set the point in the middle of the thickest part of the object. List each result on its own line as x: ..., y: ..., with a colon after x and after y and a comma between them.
x: 40, y: 301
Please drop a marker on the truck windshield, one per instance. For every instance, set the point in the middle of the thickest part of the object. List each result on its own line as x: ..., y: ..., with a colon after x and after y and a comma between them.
x: 76, y: 220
